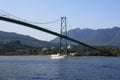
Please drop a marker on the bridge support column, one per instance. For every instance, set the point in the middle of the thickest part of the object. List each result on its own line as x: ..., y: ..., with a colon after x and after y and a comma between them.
x: 63, y: 31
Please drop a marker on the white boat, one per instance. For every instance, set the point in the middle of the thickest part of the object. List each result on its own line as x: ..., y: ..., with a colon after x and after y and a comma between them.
x: 58, y: 56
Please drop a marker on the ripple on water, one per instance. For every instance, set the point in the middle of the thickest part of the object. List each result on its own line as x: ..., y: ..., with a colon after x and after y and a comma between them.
x: 43, y: 68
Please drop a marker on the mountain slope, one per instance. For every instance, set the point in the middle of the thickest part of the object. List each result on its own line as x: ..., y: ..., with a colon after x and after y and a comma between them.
x: 99, y: 37
x: 7, y: 36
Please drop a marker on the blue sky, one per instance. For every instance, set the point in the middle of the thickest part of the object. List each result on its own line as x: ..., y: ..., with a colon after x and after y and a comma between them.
x: 94, y: 14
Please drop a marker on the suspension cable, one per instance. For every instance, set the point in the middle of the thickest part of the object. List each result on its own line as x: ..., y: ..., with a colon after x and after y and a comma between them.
x: 8, y: 15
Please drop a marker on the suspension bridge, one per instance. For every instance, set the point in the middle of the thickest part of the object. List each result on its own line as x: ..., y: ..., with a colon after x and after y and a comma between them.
x: 4, y: 16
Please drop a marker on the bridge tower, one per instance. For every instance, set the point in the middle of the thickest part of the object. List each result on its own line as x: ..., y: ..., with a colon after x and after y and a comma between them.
x: 63, y: 31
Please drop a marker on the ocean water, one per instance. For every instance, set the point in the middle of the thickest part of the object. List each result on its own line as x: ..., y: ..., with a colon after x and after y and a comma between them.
x: 71, y: 68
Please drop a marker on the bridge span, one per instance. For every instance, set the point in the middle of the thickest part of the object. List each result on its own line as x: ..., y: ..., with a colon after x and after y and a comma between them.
x: 15, y: 21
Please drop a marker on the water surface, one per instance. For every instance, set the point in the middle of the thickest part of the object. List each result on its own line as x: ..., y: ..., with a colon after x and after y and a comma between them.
x: 71, y: 68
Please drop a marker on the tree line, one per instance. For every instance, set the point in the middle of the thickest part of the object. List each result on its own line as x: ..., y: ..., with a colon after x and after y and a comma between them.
x: 17, y: 48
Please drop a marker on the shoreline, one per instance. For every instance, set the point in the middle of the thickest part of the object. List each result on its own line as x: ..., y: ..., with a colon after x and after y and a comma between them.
x: 67, y: 56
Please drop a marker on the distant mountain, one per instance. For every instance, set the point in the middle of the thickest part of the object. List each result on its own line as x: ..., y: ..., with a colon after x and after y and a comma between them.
x: 24, y: 39
x: 99, y: 37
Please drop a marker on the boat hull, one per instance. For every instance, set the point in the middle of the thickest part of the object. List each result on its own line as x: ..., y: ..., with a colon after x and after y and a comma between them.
x: 58, y: 56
